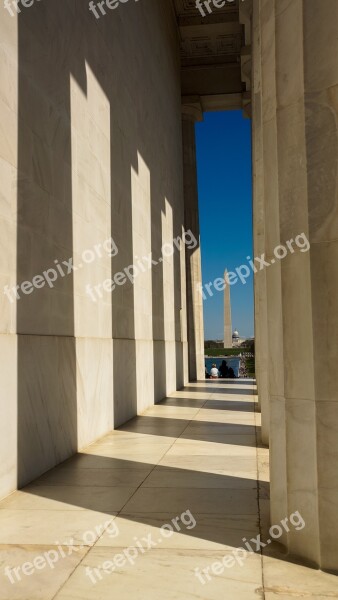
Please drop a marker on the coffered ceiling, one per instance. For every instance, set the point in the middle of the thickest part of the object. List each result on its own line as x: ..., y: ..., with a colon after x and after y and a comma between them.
x: 212, y: 50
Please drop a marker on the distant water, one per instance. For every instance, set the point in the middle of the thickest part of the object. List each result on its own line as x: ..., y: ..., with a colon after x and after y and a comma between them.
x: 233, y: 362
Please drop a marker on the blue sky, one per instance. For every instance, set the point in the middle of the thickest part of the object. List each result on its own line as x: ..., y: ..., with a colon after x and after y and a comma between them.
x: 225, y: 204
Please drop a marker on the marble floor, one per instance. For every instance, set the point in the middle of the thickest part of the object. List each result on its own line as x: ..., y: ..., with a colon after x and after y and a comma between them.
x: 154, y: 511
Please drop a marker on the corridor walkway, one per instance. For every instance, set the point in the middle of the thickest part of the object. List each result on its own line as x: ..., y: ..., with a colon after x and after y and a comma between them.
x: 150, y: 511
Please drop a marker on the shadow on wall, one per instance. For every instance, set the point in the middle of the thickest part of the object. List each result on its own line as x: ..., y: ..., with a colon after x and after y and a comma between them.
x: 57, y: 42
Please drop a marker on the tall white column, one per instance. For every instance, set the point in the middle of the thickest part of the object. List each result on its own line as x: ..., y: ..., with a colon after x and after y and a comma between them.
x: 307, y: 136
x: 191, y: 113
x: 278, y: 488
x: 320, y: 50
x: 299, y: 389
x: 261, y: 328
x: 296, y: 46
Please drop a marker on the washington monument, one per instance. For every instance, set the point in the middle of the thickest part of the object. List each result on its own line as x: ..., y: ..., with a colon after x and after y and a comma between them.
x: 227, y: 315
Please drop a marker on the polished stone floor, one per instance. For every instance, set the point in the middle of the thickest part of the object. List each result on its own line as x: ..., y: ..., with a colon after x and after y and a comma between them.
x: 144, y: 512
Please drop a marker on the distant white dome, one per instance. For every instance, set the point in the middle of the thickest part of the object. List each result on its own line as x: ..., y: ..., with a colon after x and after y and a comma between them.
x: 235, y: 334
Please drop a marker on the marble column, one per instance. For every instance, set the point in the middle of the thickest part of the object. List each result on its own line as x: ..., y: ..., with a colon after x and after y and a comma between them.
x: 261, y: 328
x: 295, y: 152
x: 278, y: 480
x: 300, y: 408
x: 307, y: 148
x: 320, y: 48
x: 190, y: 114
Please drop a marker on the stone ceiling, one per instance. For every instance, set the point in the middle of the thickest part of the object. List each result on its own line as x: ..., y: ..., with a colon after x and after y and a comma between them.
x: 215, y: 53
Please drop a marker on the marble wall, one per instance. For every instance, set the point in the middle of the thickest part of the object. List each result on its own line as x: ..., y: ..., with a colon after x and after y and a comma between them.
x: 90, y: 148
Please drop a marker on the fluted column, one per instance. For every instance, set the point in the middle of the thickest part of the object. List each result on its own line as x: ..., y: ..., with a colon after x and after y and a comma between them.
x: 298, y: 341
x: 320, y: 49
x: 190, y: 114
x: 299, y: 119
x: 278, y: 489
x: 261, y: 329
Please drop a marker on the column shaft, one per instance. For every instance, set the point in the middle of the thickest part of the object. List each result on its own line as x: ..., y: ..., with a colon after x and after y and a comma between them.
x: 261, y: 330
x: 300, y: 407
x: 193, y: 256
x: 278, y: 490
x: 321, y: 136
x: 296, y: 132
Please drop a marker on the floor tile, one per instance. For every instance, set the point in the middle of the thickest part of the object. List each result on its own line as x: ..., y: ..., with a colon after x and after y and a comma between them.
x: 42, y: 584
x: 50, y: 526
x: 204, y: 500
x: 163, y: 575
x: 67, y: 497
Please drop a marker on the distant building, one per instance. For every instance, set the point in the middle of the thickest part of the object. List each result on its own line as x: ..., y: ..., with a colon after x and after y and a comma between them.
x: 236, y: 339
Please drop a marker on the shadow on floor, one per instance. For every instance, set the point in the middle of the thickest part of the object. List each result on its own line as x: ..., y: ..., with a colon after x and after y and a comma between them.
x: 112, y: 486
x: 217, y: 388
x: 218, y: 486
x: 192, y: 430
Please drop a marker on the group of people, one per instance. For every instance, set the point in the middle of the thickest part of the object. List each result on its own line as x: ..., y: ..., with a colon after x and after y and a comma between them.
x: 224, y: 372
